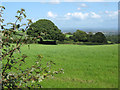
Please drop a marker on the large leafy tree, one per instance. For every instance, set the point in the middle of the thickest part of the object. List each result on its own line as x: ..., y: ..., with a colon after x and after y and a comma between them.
x: 45, y: 28
x: 99, y: 37
x: 79, y: 36
x: 90, y: 37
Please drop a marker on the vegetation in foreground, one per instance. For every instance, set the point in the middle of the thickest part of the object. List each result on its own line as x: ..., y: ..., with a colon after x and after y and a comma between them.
x: 84, y: 66
x: 14, y: 75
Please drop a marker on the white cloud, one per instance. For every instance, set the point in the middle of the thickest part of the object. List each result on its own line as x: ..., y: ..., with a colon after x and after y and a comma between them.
x: 54, y: 1
x: 78, y: 15
x: 0, y: 3
x: 69, y: 0
x: 83, y: 5
x: 94, y: 15
x: 111, y: 13
x: 106, y: 12
x: 50, y: 1
x: 82, y: 16
x: 78, y: 8
x: 51, y: 15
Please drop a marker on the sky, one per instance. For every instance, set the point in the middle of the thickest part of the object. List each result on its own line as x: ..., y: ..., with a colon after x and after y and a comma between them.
x: 95, y: 15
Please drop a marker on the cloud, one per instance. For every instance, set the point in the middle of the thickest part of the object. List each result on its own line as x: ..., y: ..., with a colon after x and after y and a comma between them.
x: 0, y: 3
x: 50, y: 1
x: 78, y: 15
x: 111, y: 13
x: 83, y: 5
x: 82, y: 16
x: 54, y: 1
x: 69, y: 1
x: 94, y: 15
x: 51, y: 15
x: 78, y: 8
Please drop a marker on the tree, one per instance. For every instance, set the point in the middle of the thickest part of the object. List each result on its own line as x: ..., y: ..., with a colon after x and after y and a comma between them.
x: 90, y: 37
x: 113, y: 38
x: 99, y: 37
x: 69, y: 33
x: 13, y: 75
x: 46, y: 29
x: 80, y: 36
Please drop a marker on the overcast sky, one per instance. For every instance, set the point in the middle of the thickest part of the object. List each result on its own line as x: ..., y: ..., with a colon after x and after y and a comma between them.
x: 72, y: 15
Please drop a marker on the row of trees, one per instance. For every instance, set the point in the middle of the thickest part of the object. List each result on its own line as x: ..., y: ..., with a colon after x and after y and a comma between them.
x: 113, y: 38
x: 82, y: 36
x: 46, y: 29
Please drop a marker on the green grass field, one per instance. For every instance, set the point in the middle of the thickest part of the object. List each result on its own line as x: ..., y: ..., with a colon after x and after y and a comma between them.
x: 68, y: 35
x: 92, y: 66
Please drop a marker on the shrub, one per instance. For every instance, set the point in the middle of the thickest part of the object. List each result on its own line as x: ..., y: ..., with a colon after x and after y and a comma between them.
x: 31, y: 76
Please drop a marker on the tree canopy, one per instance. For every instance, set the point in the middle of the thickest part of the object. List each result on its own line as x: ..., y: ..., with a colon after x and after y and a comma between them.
x: 45, y: 28
x: 99, y: 37
x: 79, y: 36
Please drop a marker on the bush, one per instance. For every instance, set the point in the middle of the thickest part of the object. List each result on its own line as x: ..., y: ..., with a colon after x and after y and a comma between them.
x: 29, y: 77
x: 67, y: 39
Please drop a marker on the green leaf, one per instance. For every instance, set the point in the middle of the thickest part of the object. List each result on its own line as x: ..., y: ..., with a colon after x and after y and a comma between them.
x: 23, y: 25
x: 20, y: 19
x: 24, y: 15
x: 23, y: 30
x: 16, y: 16
x: 22, y: 9
x: 18, y: 11
x: 18, y: 26
x: 29, y: 20
x: 2, y: 27
x: 2, y: 7
x: 10, y: 23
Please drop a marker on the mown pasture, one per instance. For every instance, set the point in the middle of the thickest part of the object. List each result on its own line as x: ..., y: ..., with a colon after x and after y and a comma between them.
x: 85, y: 66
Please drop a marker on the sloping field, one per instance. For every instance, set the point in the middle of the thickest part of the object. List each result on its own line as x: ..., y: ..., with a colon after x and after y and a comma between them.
x: 94, y: 66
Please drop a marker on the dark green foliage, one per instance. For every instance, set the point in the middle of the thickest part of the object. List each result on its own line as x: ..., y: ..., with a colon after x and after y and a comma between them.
x: 99, y: 37
x: 90, y: 37
x: 113, y: 38
x: 68, y: 38
x: 69, y: 33
x: 48, y: 42
x: 80, y: 36
x: 118, y: 38
x: 46, y: 29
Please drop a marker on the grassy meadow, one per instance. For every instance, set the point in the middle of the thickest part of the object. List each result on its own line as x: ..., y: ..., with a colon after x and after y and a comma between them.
x: 85, y: 66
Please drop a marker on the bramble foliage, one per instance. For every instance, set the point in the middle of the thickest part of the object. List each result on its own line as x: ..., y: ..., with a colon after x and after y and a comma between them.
x: 13, y: 76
